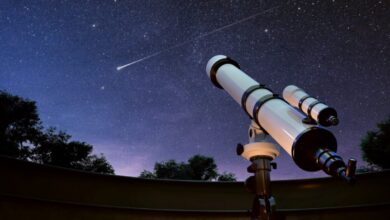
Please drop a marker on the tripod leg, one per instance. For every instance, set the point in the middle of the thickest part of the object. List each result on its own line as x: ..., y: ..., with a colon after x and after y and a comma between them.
x: 264, y: 204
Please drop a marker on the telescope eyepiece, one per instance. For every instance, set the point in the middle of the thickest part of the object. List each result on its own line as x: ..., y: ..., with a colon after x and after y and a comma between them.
x: 333, y: 120
x: 350, y: 171
x: 334, y: 165
x: 328, y: 117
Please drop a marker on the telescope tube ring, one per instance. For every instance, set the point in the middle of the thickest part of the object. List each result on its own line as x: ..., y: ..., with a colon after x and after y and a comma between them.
x: 215, y: 67
x: 302, y: 100
x: 311, y: 106
x: 259, y: 104
x: 248, y: 92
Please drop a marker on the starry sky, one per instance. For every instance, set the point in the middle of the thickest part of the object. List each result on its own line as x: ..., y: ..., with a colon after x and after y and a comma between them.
x: 64, y: 55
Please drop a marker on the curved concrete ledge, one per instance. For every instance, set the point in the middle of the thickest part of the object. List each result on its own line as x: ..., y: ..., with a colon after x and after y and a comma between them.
x: 44, y: 191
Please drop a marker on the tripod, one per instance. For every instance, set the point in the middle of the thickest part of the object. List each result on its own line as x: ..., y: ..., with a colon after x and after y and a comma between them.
x: 260, y: 151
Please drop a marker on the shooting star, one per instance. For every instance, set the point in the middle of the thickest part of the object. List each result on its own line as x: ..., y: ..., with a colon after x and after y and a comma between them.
x: 137, y: 61
x: 197, y: 38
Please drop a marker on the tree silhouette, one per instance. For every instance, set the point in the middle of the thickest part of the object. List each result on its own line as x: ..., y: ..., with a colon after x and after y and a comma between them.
x: 96, y: 164
x: 375, y: 145
x: 198, y: 168
x: 19, y: 125
x: 202, y: 168
x: 226, y: 177
x: 22, y: 136
x: 171, y: 170
x: 55, y: 148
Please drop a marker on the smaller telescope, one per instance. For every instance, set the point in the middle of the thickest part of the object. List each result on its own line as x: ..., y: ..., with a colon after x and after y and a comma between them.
x: 316, y: 111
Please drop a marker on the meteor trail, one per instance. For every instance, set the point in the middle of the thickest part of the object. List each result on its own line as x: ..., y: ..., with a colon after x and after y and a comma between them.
x: 137, y: 61
x: 196, y: 38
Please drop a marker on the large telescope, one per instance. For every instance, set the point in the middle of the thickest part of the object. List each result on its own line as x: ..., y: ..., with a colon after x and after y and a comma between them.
x: 311, y: 146
x: 295, y: 123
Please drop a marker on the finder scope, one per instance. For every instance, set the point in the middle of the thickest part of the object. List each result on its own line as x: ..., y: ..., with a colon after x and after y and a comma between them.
x: 315, y: 110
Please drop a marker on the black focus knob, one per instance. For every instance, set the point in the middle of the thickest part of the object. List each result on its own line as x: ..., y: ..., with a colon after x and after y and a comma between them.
x: 251, y: 168
x: 239, y: 149
x: 274, y: 165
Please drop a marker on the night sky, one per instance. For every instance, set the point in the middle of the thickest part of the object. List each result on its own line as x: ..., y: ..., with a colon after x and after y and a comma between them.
x: 65, y: 54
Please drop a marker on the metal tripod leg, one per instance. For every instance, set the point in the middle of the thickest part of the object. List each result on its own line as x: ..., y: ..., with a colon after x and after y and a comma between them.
x: 263, y: 204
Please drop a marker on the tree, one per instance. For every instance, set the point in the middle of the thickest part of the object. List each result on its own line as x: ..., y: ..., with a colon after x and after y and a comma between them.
x: 375, y: 146
x: 147, y: 174
x: 226, y: 177
x: 198, y: 168
x: 202, y: 168
x: 55, y: 148
x: 171, y: 170
x: 96, y: 164
x: 168, y: 170
x: 19, y: 125
x: 22, y: 136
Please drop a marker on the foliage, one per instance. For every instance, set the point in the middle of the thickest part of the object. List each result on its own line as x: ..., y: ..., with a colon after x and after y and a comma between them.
x: 147, y: 174
x: 226, y: 177
x: 96, y: 164
x: 198, y: 167
x: 22, y: 136
x: 202, y: 168
x: 19, y: 125
x: 376, y: 146
x: 171, y: 170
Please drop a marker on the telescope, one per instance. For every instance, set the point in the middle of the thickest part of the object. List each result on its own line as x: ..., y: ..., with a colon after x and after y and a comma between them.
x: 296, y: 122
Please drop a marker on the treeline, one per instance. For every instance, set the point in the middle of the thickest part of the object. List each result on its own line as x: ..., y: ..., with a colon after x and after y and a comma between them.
x: 22, y: 136
x: 198, y: 167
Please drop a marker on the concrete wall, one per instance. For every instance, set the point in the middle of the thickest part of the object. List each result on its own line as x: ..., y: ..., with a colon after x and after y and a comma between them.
x: 32, y: 191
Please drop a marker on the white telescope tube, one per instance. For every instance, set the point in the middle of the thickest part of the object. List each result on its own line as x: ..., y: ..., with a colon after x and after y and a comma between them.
x: 273, y: 114
x: 313, y: 108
